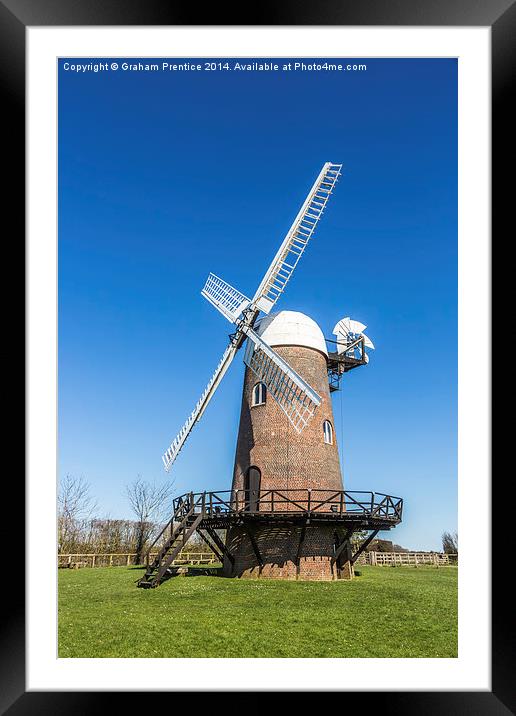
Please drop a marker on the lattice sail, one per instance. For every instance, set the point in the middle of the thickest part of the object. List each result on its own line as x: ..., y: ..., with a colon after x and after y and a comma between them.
x: 293, y: 395
x: 297, y: 238
x: 228, y: 300
x: 170, y: 455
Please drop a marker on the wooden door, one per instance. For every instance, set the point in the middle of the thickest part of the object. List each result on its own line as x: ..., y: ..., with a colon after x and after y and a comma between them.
x: 252, y: 489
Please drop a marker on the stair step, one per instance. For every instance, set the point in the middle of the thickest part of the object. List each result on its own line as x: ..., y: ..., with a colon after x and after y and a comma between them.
x: 155, y: 572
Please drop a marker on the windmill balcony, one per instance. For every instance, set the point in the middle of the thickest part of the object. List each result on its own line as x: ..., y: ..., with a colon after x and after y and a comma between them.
x: 362, y: 509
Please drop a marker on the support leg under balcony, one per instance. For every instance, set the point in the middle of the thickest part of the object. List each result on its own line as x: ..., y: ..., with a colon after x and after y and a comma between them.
x: 342, y: 558
x: 221, y: 547
x: 365, y: 544
x: 212, y: 546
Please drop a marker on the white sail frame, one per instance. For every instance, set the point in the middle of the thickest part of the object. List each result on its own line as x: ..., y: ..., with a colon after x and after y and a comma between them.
x: 292, y: 248
x: 226, y: 299
x: 293, y: 395
x: 173, y: 450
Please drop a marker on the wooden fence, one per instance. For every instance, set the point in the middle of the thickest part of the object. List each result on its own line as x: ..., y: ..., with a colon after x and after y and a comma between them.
x: 382, y: 559
x: 128, y: 558
x: 397, y: 559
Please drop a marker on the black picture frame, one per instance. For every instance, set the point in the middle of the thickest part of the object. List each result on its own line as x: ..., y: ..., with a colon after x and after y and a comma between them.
x: 15, y: 17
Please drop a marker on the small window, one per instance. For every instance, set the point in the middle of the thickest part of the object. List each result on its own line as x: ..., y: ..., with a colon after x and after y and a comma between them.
x: 328, y: 432
x: 259, y: 394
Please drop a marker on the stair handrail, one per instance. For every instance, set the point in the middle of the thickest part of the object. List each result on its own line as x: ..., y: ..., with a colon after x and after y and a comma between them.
x: 147, y: 554
x: 168, y: 524
x: 160, y: 567
x: 163, y: 550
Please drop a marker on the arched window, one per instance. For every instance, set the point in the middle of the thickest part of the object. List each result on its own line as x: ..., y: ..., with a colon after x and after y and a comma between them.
x: 328, y: 432
x: 259, y: 394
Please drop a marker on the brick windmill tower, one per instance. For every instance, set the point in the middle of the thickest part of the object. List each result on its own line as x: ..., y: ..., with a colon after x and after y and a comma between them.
x: 287, y: 515
x: 272, y: 456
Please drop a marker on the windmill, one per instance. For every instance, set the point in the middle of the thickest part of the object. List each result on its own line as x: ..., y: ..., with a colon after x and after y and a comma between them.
x: 287, y: 515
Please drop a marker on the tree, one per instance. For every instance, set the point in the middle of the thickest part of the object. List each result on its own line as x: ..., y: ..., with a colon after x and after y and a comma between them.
x: 151, y: 504
x: 75, y: 506
x: 358, y: 537
x: 450, y: 542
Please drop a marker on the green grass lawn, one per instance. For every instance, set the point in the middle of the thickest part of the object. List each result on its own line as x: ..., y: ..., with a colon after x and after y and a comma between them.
x: 385, y: 612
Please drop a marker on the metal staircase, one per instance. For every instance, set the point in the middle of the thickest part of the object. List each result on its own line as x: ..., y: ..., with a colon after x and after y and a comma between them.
x: 182, y: 526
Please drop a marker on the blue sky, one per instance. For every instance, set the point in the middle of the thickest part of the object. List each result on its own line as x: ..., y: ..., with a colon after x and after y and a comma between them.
x: 166, y: 176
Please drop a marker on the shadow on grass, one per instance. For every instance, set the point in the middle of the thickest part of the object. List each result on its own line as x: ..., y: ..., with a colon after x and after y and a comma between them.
x: 184, y: 571
x: 204, y: 572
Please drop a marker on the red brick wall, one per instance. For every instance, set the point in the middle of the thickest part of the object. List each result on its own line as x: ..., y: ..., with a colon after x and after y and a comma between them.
x: 279, y: 545
x: 267, y: 440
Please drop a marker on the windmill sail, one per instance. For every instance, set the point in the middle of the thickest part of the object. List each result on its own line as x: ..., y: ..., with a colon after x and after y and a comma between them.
x: 293, y: 394
x: 226, y: 299
x: 170, y: 455
x: 297, y: 238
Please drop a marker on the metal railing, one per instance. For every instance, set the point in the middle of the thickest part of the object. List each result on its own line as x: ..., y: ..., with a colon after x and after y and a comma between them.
x: 306, y: 501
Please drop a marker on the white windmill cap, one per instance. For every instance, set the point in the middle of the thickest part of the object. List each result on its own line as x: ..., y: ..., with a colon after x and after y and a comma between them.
x: 291, y: 328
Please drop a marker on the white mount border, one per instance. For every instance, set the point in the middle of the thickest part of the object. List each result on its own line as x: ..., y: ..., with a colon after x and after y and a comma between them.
x: 471, y: 671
